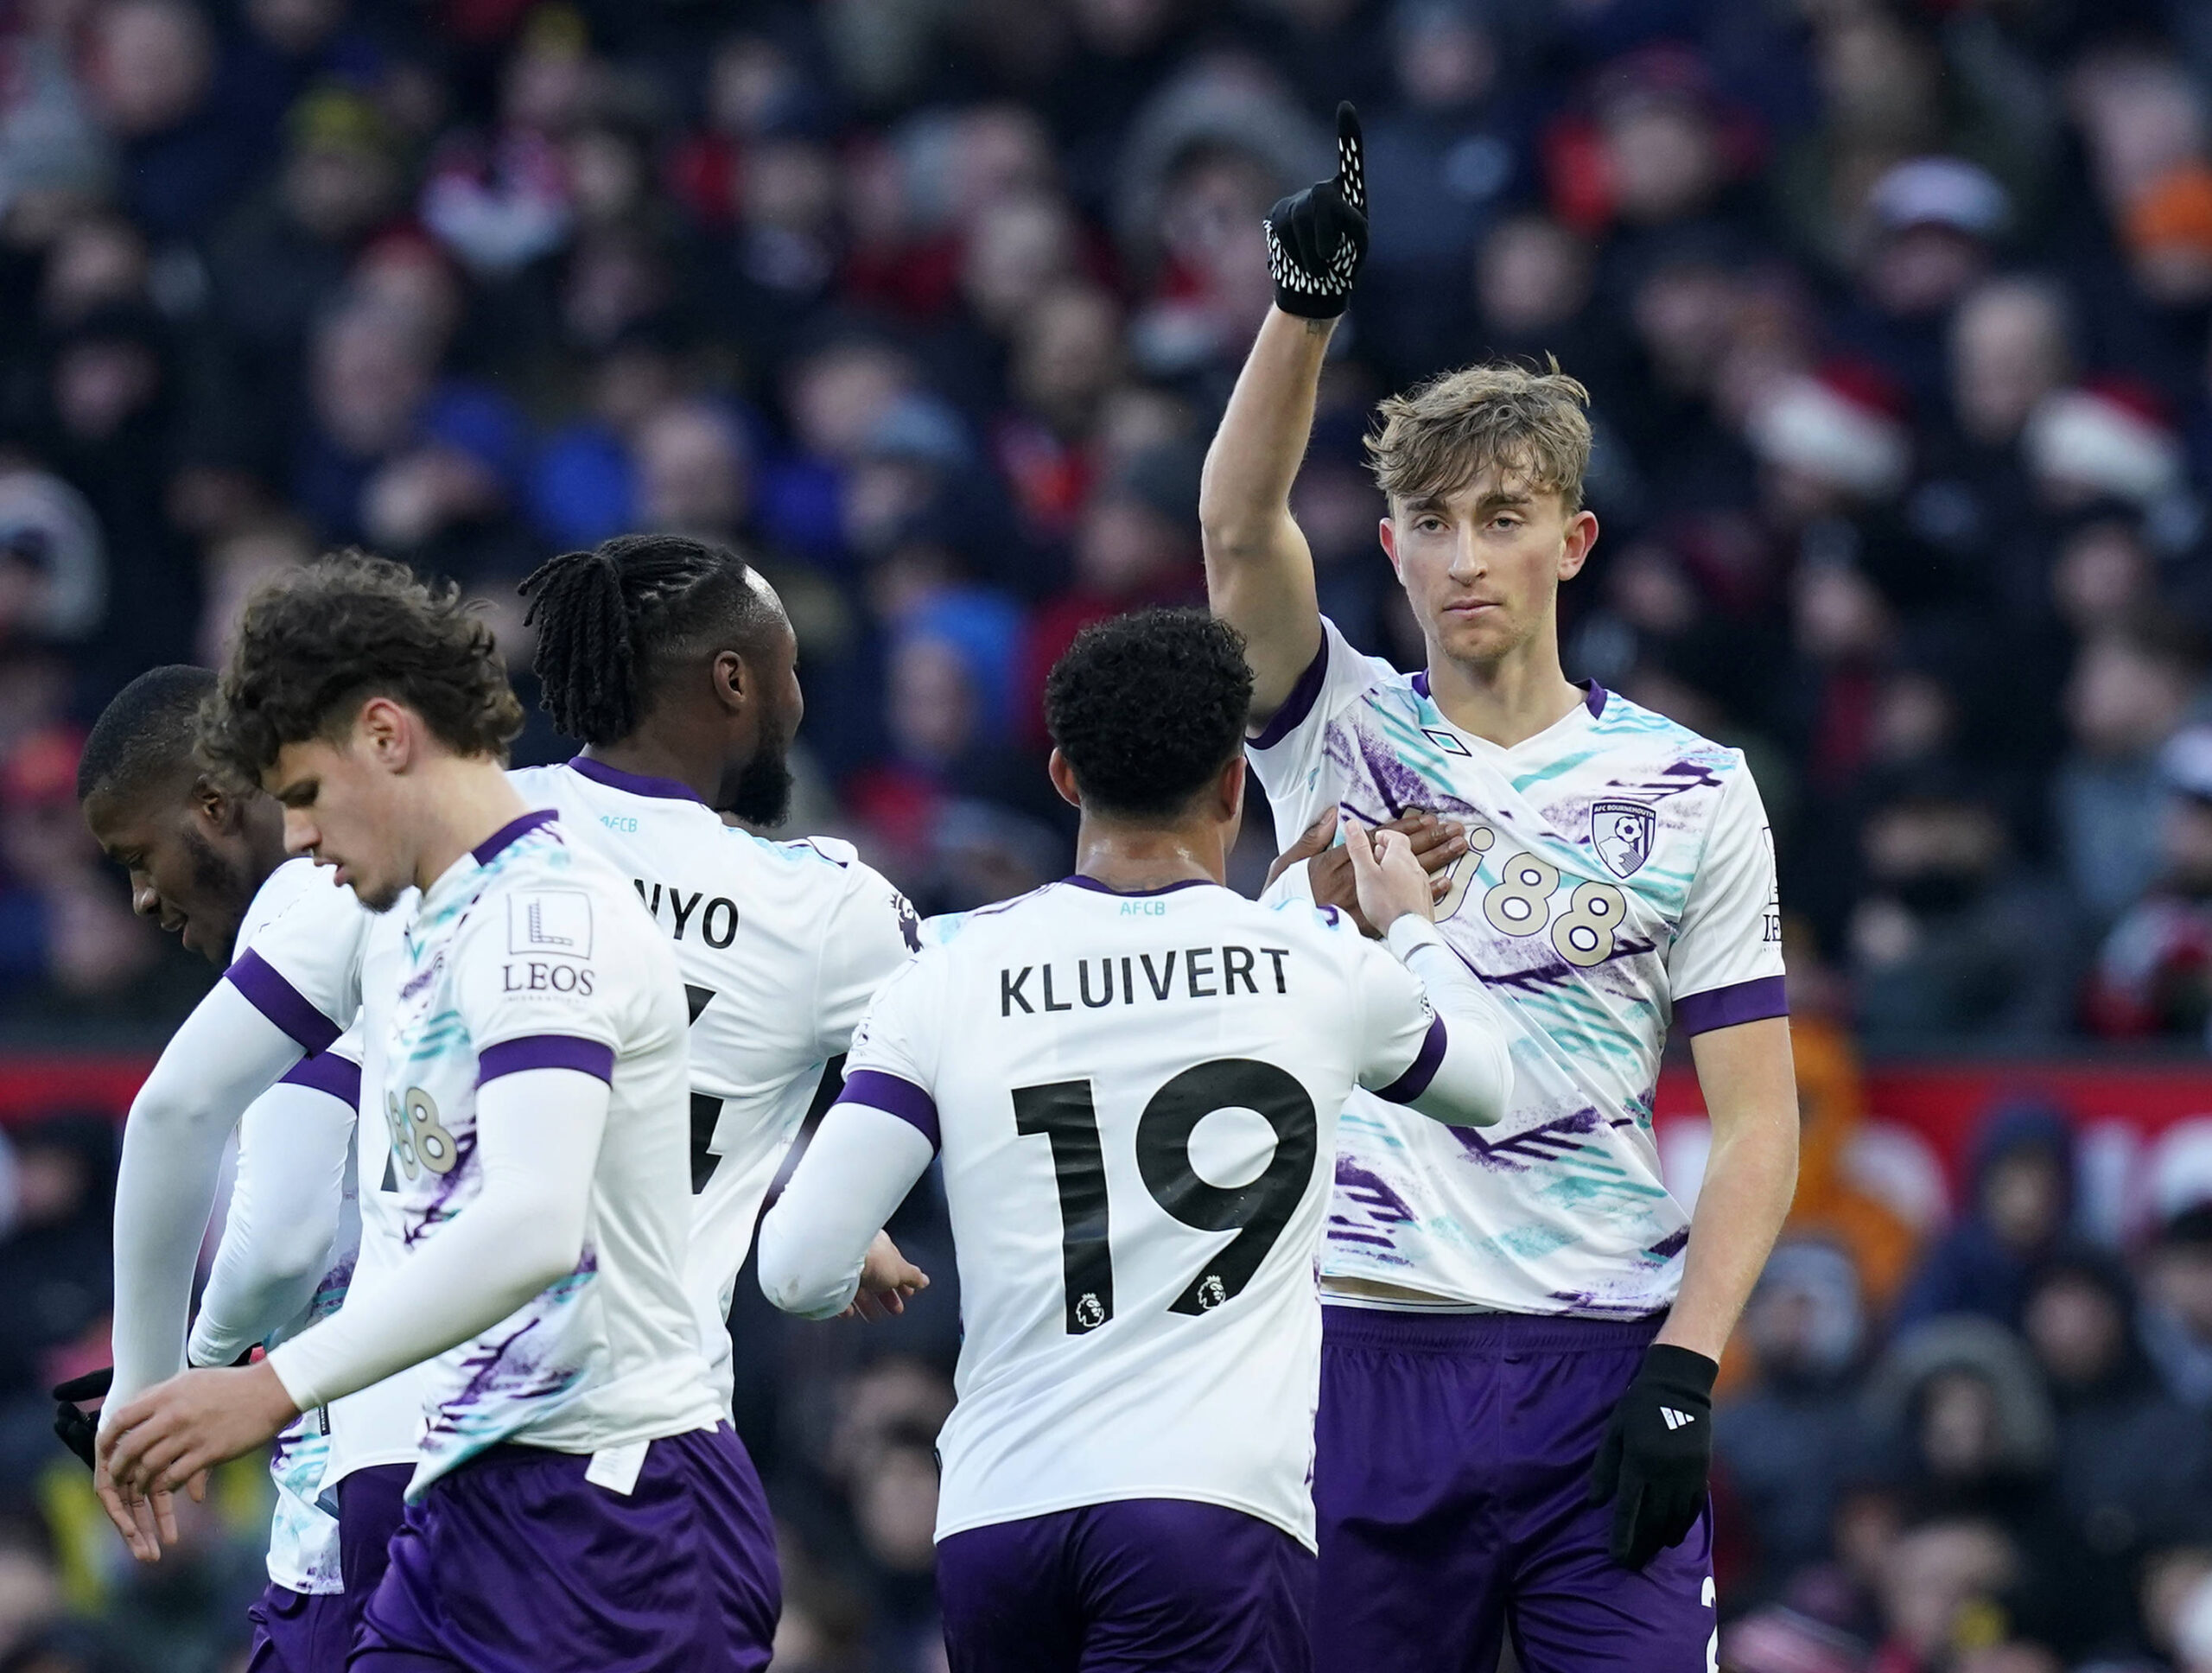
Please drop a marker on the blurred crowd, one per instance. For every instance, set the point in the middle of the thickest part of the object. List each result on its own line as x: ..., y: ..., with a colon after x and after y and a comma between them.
x: 1897, y: 318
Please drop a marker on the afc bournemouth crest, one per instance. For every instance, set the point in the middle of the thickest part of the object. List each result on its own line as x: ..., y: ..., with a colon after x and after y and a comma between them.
x: 1621, y: 832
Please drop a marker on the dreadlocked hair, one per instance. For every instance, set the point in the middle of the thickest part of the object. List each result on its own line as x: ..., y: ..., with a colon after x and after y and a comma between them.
x: 614, y: 621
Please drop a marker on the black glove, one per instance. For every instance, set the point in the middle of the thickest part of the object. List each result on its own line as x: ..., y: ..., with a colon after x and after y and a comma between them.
x: 1317, y: 238
x: 77, y: 1430
x: 1657, y: 1454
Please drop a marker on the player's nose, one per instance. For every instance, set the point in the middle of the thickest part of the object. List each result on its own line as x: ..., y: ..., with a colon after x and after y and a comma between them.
x: 301, y: 835
x: 143, y: 900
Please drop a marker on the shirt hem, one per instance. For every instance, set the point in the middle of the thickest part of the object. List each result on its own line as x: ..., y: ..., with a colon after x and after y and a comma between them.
x: 1304, y: 1537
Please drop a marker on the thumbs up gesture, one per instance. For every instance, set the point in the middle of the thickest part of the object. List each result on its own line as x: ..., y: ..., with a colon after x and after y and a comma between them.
x: 1317, y: 238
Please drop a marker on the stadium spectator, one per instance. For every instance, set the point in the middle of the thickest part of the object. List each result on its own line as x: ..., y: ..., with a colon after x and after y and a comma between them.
x: 2019, y: 1208
x: 1897, y: 320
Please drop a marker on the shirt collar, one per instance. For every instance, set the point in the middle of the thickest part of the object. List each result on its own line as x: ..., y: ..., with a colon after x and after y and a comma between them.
x: 636, y: 784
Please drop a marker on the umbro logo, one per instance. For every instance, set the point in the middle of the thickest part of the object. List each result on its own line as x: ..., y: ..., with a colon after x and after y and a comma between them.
x: 1676, y: 1419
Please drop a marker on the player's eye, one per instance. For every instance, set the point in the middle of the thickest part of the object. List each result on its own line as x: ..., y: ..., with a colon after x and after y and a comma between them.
x: 1429, y: 525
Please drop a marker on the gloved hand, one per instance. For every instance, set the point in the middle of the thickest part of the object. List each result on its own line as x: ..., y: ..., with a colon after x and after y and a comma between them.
x: 1317, y: 238
x: 78, y: 1429
x: 1657, y: 1454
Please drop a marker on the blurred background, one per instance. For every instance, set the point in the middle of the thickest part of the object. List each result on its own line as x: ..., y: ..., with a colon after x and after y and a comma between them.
x: 1896, y: 314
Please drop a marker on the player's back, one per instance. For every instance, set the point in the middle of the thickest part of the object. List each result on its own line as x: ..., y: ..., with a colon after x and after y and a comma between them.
x: 780, y: 944
x: 1137, y: 1096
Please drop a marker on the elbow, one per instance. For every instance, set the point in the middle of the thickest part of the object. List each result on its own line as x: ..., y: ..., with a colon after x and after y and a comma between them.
x: 1471, y: 1093
x: 1231, y: 524
x: 293, y: 1263
x: 784, y: 1279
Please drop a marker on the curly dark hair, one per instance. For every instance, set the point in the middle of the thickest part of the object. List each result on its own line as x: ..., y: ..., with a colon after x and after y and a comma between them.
x: 317, y: 642
x: 1147, y: 707
x: 615, y: 621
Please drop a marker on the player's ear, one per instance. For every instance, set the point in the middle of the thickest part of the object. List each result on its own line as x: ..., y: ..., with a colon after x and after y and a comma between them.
x: 1387, y: 532
x: 1581, y: 535
x: 215, y: 806
x: 388, y: 733
x: 1229, y: 788
x: 1063, y: 777
x: 730, y: 680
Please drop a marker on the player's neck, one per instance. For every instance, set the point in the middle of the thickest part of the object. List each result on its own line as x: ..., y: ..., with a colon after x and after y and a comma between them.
x: 1130, y: 859
x: 645, y: 754
x: 459, y: 803
x: 1509, y: 701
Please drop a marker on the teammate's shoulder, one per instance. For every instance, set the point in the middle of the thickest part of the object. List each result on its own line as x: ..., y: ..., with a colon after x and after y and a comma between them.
x: 539, y: 785
x: 979, y: 924
x: 1293, y: 915
x: 296, y: 892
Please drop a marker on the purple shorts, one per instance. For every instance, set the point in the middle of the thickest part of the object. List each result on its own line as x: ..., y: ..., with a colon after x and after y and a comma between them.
x: 514, y: 1563
x: 1165, y: 1584
x: 1453, y: 1456
x: 371, y: 1502
x: 299, y: 1631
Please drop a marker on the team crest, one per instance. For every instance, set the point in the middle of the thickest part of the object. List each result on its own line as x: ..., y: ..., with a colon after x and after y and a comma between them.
x: 1622, y: 832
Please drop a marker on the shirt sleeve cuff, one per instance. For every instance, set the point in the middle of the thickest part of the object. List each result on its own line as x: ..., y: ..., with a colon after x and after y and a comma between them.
x: 895, y: 1096
x: 1724, y: 1008
x: 327, y: 1072
x: 1412, y: 1083
x: 284, y: 1361
x: 515, y: 1057
x: 268, y: 992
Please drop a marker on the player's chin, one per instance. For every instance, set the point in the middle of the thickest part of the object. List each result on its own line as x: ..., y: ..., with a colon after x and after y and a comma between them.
x: 1475, y: 635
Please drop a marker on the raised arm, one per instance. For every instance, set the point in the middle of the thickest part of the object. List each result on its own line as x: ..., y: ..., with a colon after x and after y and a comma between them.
x: 1259, y: 569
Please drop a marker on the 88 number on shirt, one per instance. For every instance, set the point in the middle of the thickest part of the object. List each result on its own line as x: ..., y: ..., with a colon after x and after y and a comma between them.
x: 1066, y: 1114
x: 1520, y: 902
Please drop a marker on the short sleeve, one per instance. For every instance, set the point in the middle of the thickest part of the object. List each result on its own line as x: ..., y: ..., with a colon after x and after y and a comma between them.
x: 1724, y: 966
x: 541, y: 979
x: 1401, y: 1037
x: 892, y: 1065
x: 1289, y: 753
x: 873, y: 931
x: 302, y: 968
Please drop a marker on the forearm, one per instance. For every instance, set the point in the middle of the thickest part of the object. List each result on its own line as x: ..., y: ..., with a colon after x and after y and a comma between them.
x: 1472, y: 1081
x: 1751, y: 1175
x: 537, y: 1136
x: 225, y: 1055
x: 294, y: 1144
x: 1245, y: 493
x: 858, y: 1169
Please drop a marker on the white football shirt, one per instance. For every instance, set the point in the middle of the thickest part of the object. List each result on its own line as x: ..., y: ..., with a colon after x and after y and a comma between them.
x: 1620, y: 877
x: 532, y: 953
x: 781, y: 946
x: 1137, y: 1098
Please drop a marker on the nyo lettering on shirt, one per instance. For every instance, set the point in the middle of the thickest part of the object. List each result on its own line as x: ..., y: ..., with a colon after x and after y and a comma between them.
x: 1178, y: 973
x: 717, y: 926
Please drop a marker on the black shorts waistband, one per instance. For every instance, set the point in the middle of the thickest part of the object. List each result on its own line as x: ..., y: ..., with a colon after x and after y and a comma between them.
x: 1482, y: 1334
